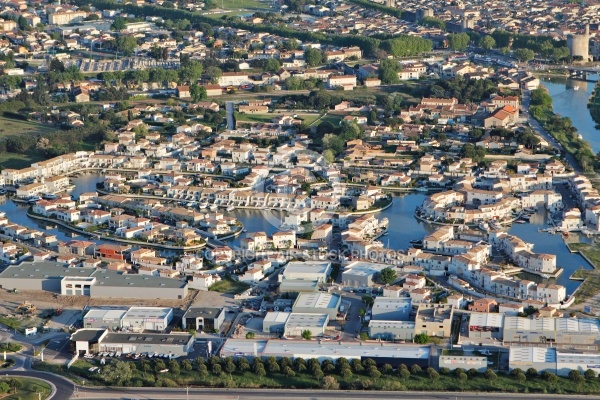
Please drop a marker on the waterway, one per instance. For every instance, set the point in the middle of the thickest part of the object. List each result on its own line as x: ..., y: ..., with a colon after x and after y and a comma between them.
x: 403, y: 227
x: 572, y: 103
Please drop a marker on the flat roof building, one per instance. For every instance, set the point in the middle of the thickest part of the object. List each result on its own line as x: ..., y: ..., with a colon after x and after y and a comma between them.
x: 300, y: 322
x: 391, y: 330
x: 147, y: 318
x: 434, y: 320
x: 274, y: 322
x: 320, y: 302
x: 178, y: 344
x: 203, y: 319
x: 362, y: 273
x: 485, y: 325
x: 464, y: 362
x: 307, y: 270
x: 391, y: 308
x: 98, y: 318
x: 381, y: 353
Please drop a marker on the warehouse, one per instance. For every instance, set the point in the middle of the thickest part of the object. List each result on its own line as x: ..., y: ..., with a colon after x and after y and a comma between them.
x: 464, y: 362
x: 307, y: 271
x: 96, y: 283
x: 434, y: 319
x: 568, y: 361
x: 578, y: 331
x: 540, y: 358
x: 391, y: 308
x: 391, y: 330
x: 140, y: 319
x: 110, y: 319
x: 485, y: 326
x: 382, y: 353
x: 85, y: 341
x: 298, y: 286
x: 203, y: 319
x: 298, y: 323
x: 274, y: 322
x: 178, y: 344
x: 326, y: 303
x: 361, y: 274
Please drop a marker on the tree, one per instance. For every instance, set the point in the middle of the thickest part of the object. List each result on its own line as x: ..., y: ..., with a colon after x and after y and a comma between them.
x: 421, y: 338
x: 306, y: 334
x: 22, y: 22
x: 364, y: 336
x: 373, y: 372
x: 190, y: 71
x: 576, y: 376
x: 415, y: 369
x: 197, y: 92
x: 388, y: 71
x: 117, y: 373
x: 404, y: 373
x: 589, y: 374
x: 317, y: 373
x: 272, y: 65
x: 487, y: 43
x: 540, y: 97
x: 250, y: 335
x: 521, y: 377
x: 15, y: 384
x: 329, y: 156
x: 387, y: 369
x: 458, y: 41
x: 174, y: 367
x: 462, y: 377
x: 532, y: 373
x: 490, y: 375
x: 367, y: 299
x: 334, y: 143
x: 216, y: 369
x: 126, y: 44
x: 313, y: 57
x: 432, y: 374
x: 187, y: 365
x: 242, y: 364
x: 524, y: 55
x: 330, y: 383
x: 388, y: 275
x: 118, y: 24
x: 229, y: 366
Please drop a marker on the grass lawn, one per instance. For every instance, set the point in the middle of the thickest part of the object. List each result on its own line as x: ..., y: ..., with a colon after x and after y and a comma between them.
x: 229, y: 286
x: 334, y: 119
x: 10, y: 347
x: 18, y: 161
x: 13, y: 127
x: 254, y: 118
x: 591, y: 285
x: 246, y: 4
x: 309, y: 119
x: 30, y: 389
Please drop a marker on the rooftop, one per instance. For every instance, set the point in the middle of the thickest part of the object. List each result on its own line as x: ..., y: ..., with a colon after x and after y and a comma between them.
x: 305, y: 320
x: 148, y: 312
x: 317, y: 300
x: 148, y: 338
x: 204, y: 312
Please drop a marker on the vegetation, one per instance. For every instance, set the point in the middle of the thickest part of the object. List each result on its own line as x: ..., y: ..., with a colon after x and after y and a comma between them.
x: 24, y: 389
x: 591, y: 284
x: 10, y: 347
x: 229, y: 286
x: 343, y: 374
x: 594, y: 105
x: 388, y: 275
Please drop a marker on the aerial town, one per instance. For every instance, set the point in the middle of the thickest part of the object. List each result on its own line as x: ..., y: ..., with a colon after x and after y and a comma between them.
x: 348, y: 194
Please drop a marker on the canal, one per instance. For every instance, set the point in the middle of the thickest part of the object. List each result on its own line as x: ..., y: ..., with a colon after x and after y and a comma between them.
x: 403, y: 227
x: 572, y: 103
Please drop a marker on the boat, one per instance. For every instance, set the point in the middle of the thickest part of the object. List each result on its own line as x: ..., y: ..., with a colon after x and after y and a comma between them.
x: 213, y: 207
x: 49, y: 196
x: 3, y: 192
x: 422, y: 189
x: 530, y: 210
x: 525, y: 217
x: 230, y: 208
x: 519, y: 221
x: 576, y: 87
x: 385, y: 233
x: 545, y: 276
x: 484, y: 226
x: 244, y: 230
x: 33, y: 199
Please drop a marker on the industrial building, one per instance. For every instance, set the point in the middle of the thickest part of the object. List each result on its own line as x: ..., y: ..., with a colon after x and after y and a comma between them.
x: 391, y: 309
x: 136, y: 319
x: 317, y: 271
x: 274, y: 322
x: 552, y: 359
x: 203, y: 319
x: 485, y: 325
x: 361, y: 274
x: 96, y: 283
x: 320, y: 302
x: 85, y: 341
x: 104, y: 318
x: 147, y: 319
x: 434, y: 320
x: 298, y: 323
x: 464, y: 362
x: 391, y: 330
x: 577, y: 331
x: 381, y: 353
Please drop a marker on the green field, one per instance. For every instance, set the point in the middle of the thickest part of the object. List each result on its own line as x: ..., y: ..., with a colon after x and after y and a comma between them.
x: 244, y: 4
x: 254, y: 118
x: 30, y: 390
x: 13, y: 127
x: 334, y: 119
x: 229, y: 286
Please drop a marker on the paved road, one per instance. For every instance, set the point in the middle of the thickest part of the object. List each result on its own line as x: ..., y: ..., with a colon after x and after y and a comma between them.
x: 271, y: 394
x: 229, y: 107
x: 64, y: 388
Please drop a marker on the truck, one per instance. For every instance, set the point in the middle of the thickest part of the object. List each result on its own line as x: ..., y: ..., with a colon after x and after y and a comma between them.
x: 342, y: 308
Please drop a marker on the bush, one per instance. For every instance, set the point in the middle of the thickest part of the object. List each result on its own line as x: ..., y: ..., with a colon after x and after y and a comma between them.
x: 576, y: 376
x: 532, y: 373
x: 589, y: 374
x: 444, y: 371
x: 432, y: 374
x: 490, y: 375
x: 472, y: 372
x: 415, y: 369
x: 404, y: 373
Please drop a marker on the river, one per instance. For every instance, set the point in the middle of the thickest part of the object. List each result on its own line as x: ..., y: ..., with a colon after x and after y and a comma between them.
x: 573, y: 104
x: 403, y: 227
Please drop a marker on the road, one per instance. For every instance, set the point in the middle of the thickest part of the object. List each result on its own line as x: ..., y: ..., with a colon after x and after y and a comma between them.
x: 535, y: 125
x: 272, y: 394
x: 230, y: 122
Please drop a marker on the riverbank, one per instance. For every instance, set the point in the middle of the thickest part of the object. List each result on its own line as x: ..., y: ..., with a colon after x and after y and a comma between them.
x: 594, y: 104
x: 588, y: 293
x: 561, y: 129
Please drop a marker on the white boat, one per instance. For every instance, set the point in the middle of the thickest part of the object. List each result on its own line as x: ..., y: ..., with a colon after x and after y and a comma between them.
x: 422, y: 189
x: 545, y: 276
x: 484, y: 226
x: 230, y: 208
x: 49, y: 196
x: 576, y: 87
x: 33, y: 199
x: 244, y: 230
x: 213, y: 207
